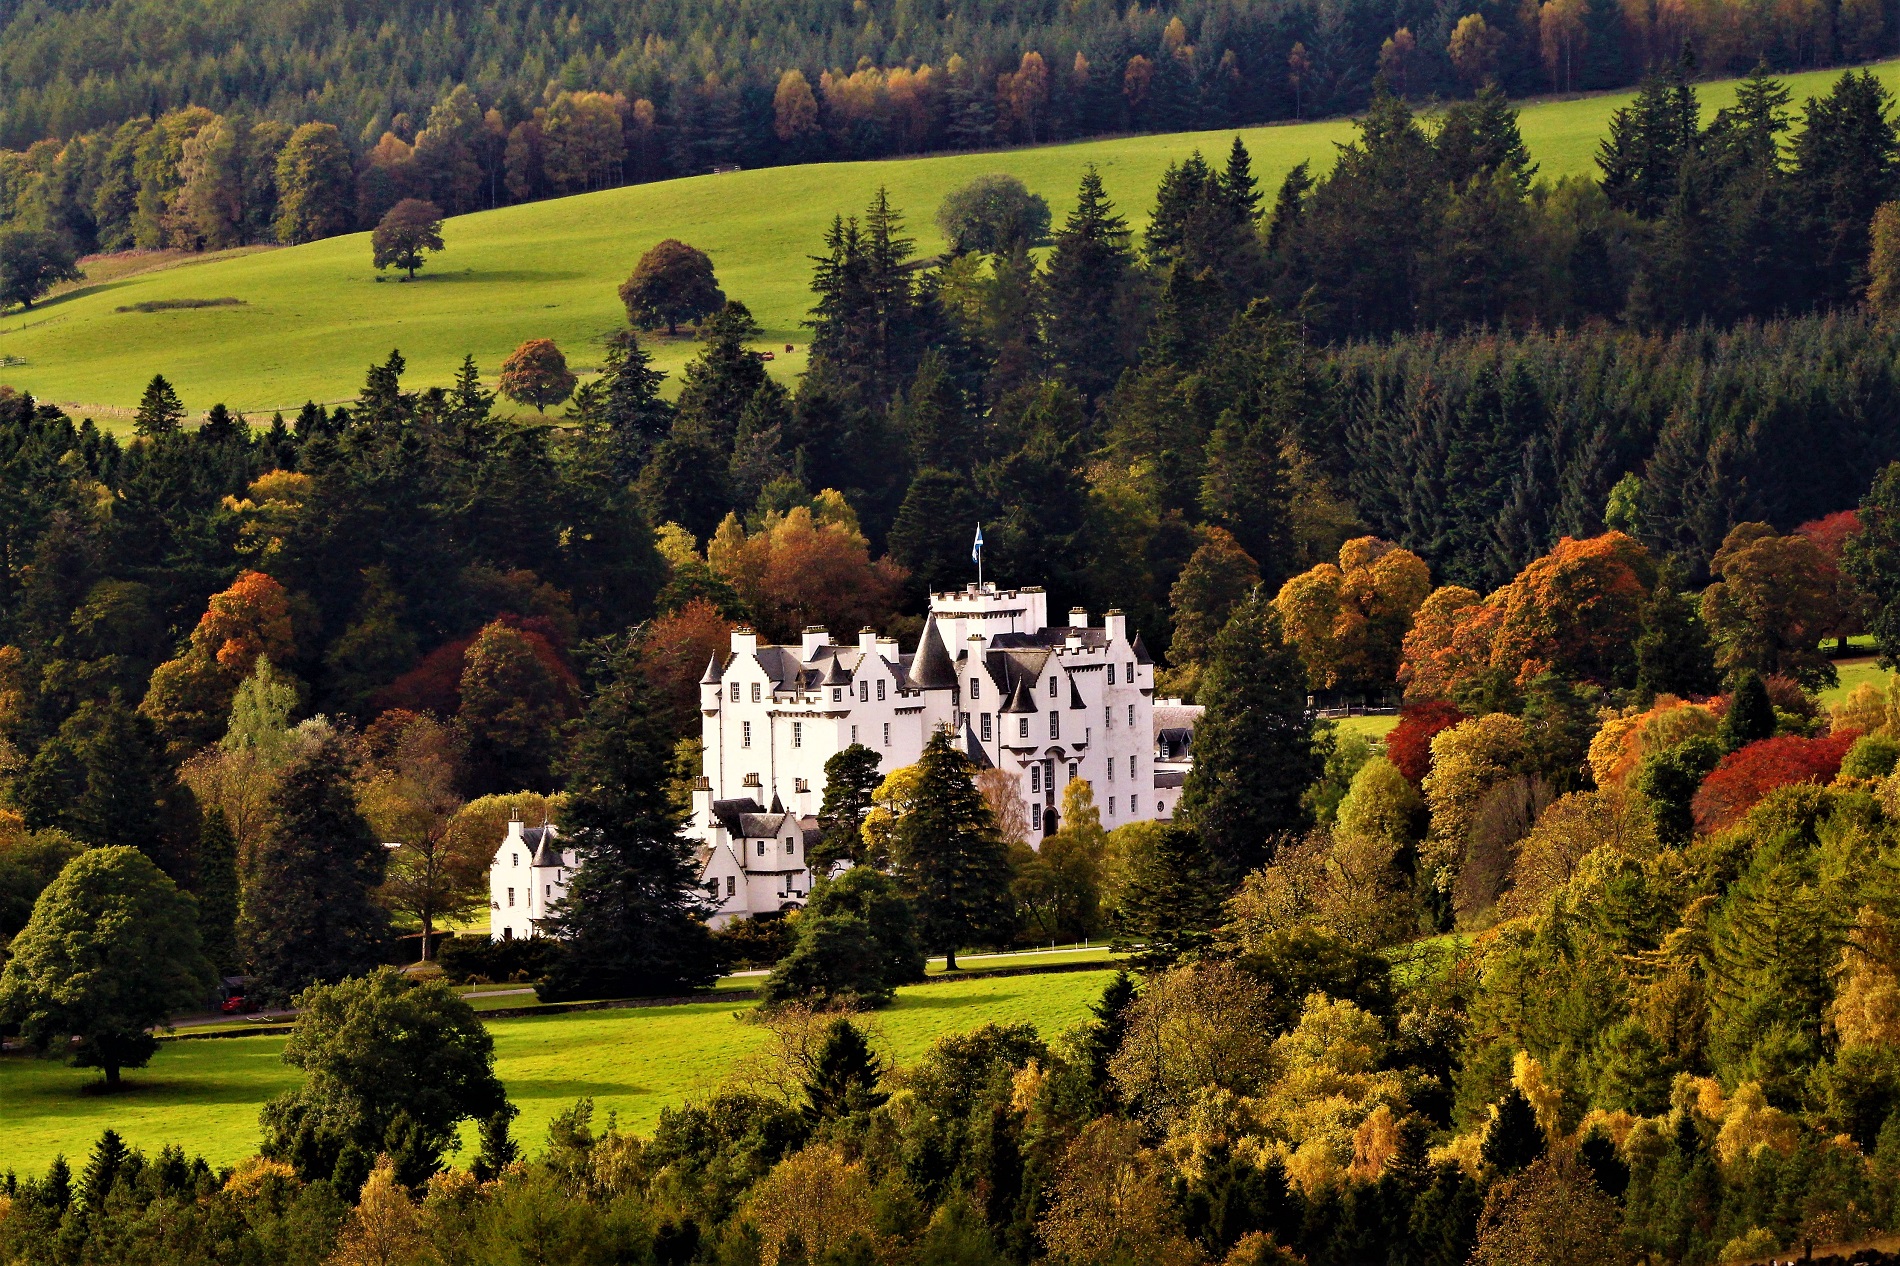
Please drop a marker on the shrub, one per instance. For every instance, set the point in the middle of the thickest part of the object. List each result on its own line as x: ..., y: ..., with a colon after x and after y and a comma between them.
x: 1871, y: 756
x: 474, y: 959
x: 756, y: 942
x: 1745, y: 776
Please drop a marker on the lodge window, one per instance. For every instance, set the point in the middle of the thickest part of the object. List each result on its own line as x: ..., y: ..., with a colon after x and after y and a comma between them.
x: 1111, y: 674
x: 986, y: 727
x: 745, y: 734
x: 735, y: 692
x: 1055, y: 725
x: 880, y: 692
x: 1022, y: 727
x: 798, y: 734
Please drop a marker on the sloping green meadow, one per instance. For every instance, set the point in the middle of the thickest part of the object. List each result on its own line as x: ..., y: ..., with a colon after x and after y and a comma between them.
x: 204, y: 1094
x: 311, y: 318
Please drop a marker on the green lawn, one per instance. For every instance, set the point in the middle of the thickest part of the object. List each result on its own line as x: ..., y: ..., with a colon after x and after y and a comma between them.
x: 1854, y: 672
x: 1376, y: 727
x: 205, y: 1094
x: 313, y: 317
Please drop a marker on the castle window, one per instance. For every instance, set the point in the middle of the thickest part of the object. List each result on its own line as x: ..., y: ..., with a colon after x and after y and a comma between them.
x: 798, y: 734
x: 1052, y: 687
x: 1131, y: 716
x: 976, y: 688
x: 1111, y: 806
x: 887, y: 726
x: 515, y: 859
x: 1131, y: 672
x: 986, y: 727
x: 1071, y: 771
x: 1035, y: 817
x: 791, y: 846
x: 864, y: 692
x: 1132, y: 771
x: 735, y: 692
x: 880, y: 692
x: 1111, y: 674
x: 1055, y: 725
x: 761, y: 848
x: 1022, y: 727
x: 1035, y: 777
x: 732, y: 884
x: 547, y: 891
x: 745, y: 734
x: 1111, y: 769
x: 1132, y: 810
x: 511, y: 896
x: 854, y: 734
x: 837, y: 694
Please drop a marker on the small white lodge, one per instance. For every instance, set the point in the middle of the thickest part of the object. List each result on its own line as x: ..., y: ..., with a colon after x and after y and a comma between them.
x: 1047, y: 703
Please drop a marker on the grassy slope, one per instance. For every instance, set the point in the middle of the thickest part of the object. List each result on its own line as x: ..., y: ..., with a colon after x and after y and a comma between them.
x: 205, y: 1094
x: 315, y: 316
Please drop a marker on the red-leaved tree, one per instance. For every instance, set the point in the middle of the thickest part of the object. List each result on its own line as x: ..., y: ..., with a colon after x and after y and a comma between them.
x: 1744, y: 777
x: 1409, y: 745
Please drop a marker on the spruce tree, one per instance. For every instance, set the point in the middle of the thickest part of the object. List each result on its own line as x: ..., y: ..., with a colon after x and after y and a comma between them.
x: 217, y: 892
x: 159, y: 412
x: 109, y: 1156
x: 1513, y: 1139
x: 1253, y: 746
x: 1648, y: 141
x: 1173, y: 896
x: 851, y: 776
x: 1750, y: 715
x: 622, y: 410
x: 629, y: 923
x: 949, y: 856
x: 1088, y: 289
x: 921, y: 537
x: 1673, y: 655
x: 716, y: 386
x: 309, y: 917
x: 1846, y: 163
x: 844, y: 1075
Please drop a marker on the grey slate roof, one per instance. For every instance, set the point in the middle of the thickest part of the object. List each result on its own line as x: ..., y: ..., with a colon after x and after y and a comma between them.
x: 930, y: 668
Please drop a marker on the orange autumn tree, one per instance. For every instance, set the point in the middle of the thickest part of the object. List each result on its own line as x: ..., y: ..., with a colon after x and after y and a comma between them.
x: 190, y: 696
x: 1348, y: 621
x: 674, y: 650
x: 810, y: 565
x: 1575, y: 611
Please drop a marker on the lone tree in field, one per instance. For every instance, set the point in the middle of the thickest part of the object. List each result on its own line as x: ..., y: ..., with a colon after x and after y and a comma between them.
x: 536, y: 373
x: 160, y: 410
x: 673, y: 282
x: 408, y: 229
x: 949, y: 855
x: 32, y: 262
x: 111, y: 950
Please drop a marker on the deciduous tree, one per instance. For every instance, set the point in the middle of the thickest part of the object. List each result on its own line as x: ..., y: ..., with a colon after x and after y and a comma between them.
x: 536, y: 373
x: 673, y: 282
x: 406, y: 231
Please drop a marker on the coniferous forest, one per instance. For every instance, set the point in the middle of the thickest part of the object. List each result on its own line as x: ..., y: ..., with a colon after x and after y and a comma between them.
x: 1591, y: 959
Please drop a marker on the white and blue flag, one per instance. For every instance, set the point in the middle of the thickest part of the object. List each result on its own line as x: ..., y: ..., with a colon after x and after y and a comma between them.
x: 976, y: 550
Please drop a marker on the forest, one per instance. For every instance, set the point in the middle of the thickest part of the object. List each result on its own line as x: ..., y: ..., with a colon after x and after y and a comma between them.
x: 1591, y: 959
x: 201, y: 126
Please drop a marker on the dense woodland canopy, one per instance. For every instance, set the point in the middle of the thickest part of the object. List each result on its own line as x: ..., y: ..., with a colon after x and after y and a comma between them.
x: 1593, y: 959
x: 147, y: 124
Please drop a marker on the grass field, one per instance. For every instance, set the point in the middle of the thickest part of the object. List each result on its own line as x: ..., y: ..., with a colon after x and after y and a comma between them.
x: 313, y: 317
x: 1855, y: 672
x: 204, y: 1094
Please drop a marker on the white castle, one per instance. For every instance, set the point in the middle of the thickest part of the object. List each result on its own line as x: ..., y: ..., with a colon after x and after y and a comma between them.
x: 1044, y: 703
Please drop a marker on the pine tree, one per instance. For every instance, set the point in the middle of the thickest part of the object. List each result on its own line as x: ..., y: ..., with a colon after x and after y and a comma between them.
x: 217, y: 892
x: 1750, y: 715
x: 1648, y: 141
x: 1481, y: 136
x: 1173, y: 896
x: 1846, y: 163
x: 1259, y: 372
x: 1088, y: 289
x: 109, y: 1157
x: 1238, y: 186
x: 716, y: 387
x: 850, y: 778
x: 1253, y: 749
x: 1102, y: 1037
x: 159, y: 412
x: 627, y: 924
x: 844, y: 1075
x: 949, y: 856
x: 1513, y: 1139
x: 921, y: 538
x: 1871, y: 560
x: 498, y: 1147
x: 309, y: 917
x: 1183, y: 185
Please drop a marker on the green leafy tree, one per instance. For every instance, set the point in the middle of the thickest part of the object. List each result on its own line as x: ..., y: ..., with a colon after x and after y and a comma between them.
x: 993, y: 215
x: 1673, y: 655
x: 673, y: 282
x: 850, y: 778
x: 390, y: 1067
x: 948, y: 855
x: 315, y: 185
x: 856, y: 942
x: 111, y: 951
x: 406, y: 232
x: 1750, y: 715
x: 514, y: 702
x: 28, y: 863
x: 1253, y: 748
x: 309, y: 912
x: 629, y: 923
x: 1669, y: 779
x: 32, y: 262
x: 536, y: 373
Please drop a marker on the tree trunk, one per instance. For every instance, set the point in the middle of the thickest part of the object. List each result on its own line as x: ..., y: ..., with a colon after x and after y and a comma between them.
x: 112, y: 1076
x: 950, y: 959
x: 428, y: 932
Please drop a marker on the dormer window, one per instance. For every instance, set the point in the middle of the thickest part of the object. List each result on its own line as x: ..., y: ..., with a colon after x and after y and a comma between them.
x: 791, y: 845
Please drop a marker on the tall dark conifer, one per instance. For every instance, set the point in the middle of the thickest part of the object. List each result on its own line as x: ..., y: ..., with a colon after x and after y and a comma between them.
x: 1253, y: 746
x: 949, y: 856
x: 1088, y: 289
x: 630, y: 921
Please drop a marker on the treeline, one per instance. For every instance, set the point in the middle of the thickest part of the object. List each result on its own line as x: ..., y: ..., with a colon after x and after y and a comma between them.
x: 509, y: 102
